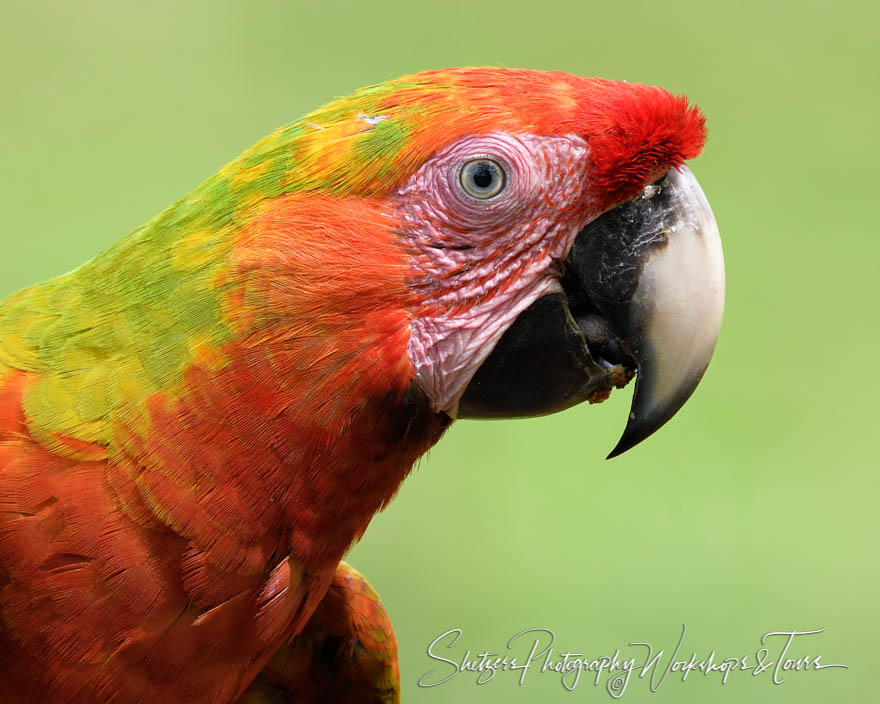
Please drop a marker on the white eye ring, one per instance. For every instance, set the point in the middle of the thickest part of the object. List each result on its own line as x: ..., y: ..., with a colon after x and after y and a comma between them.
x: 482, y: 178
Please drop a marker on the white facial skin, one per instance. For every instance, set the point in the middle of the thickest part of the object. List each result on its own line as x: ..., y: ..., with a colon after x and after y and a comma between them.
x: 478, y: 263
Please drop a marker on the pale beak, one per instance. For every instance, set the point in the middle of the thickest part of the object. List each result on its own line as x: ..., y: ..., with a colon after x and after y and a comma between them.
x: 672, y: 321
x: 643, y: 291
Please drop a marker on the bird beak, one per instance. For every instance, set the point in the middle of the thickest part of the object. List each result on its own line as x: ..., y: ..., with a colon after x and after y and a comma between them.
x: 643, y: 292
x: 675, y: 313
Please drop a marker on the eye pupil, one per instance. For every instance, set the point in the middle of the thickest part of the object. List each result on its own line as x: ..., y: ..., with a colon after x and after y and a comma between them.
x: 482, y: 178
x: 483, y: 175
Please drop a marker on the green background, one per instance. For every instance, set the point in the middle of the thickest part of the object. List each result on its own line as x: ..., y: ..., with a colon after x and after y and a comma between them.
x: 754, y: 510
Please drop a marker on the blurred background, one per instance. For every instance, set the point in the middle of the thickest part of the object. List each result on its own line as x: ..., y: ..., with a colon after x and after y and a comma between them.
x: 754, y: 510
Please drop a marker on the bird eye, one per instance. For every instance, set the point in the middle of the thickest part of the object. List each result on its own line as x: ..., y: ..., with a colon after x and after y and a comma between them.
x: 482, y: 178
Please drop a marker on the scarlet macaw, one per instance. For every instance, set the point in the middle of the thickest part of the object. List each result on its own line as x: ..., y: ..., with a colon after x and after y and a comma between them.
x: 196, y: 424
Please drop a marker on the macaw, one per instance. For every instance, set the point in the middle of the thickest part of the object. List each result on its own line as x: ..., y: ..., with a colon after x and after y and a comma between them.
x: 196, y: 424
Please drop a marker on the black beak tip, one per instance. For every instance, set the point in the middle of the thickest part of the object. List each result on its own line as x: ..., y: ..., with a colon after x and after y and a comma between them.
x: 645, y: 416
x: 645, y: 420
x: 632, y: 436
x: 622, y: 446
x: 635, y: 432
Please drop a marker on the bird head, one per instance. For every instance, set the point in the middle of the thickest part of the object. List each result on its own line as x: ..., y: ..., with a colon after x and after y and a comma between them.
x: 556, y: 245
